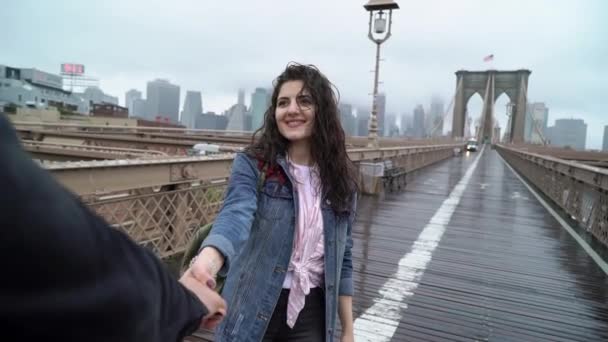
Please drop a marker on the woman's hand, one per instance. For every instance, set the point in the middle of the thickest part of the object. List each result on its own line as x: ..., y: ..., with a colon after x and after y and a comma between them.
x: 200, y: 278
x: 206, y: 265
x: 345, y: 310
x: 347, y: 336
x: 210, y: 299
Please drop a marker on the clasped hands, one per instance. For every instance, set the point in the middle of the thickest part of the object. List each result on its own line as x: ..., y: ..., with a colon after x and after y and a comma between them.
x: 200, y: 279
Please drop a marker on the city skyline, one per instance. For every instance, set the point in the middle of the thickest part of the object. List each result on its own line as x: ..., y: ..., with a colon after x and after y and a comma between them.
x: 246, y: 120
x: 431, y: 40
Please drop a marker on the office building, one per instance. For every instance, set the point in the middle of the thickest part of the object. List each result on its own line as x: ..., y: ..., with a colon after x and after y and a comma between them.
x: 363, y: 115
x: 193, y: 107
x: 94, y: 95
x: 259, y: 104
x: 210, y: 120
x: 571, y: 133
x: 391, y: 128
x: 419, y: 122
x: 130, y: 97
x: 407, y: 125
x: 162, y: 101
x: 29, y: 87
x: 237, y: 118
x: 139, y: 108
x: 347, y: 119
x: 537, y: 116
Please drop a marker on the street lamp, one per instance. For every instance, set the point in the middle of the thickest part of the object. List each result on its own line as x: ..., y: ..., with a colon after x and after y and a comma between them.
x: 377, y: 14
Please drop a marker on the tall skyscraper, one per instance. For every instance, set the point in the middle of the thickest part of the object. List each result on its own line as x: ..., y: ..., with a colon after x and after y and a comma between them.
x: 210, y: 120
x: 381, y: 113
x: 390, y: 128
x: 162, y: 101
x: 241, y: 99
x: 436, y: 117
x: 139, y: 108
x: 96, y: 95
x: 347, y: 119
x: 237, y: 114
x: 407, y: 124
x: 569, y: 133
x: 259, y: 105
x: 363, y: 115
x: 237, y: 118
x: 605, y: 147
x: 537, y: 115
x: 130, y: 98
x: 419, y: 127
x: 193, y: 107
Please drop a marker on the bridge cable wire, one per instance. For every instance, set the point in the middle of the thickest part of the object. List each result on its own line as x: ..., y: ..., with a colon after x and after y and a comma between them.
x: 447, y: 111
x: 481, y: 127
x: 542, y: 137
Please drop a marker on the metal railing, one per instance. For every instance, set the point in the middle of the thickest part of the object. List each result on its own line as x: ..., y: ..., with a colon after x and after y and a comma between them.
x: 170, y: 139
x: 161, y: 203
x: 163, y: 221
x: 91, y: 152
x: 580, y: 190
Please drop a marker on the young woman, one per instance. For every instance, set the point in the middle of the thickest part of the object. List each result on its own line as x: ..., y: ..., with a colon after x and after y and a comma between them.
x: 286, y: 249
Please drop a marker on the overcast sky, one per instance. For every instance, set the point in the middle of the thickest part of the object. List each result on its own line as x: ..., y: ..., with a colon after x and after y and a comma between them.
x: 218, y: 46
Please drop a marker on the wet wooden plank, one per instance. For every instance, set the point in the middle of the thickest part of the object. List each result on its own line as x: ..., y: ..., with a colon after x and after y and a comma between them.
x: 504, y: 269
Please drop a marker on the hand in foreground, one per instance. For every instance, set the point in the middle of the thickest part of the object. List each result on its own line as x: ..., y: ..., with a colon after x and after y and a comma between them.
x: 211, y: 299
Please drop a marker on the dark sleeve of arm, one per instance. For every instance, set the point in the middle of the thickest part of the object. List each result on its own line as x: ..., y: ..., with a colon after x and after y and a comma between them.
x: 67, y: 274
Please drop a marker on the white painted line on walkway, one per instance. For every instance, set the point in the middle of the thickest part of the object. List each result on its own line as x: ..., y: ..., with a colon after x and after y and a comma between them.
x: 598, y: 259
x: 380, y: 321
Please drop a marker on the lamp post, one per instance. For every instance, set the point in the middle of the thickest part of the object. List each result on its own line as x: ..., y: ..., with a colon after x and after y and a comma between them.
x: 377, y: 15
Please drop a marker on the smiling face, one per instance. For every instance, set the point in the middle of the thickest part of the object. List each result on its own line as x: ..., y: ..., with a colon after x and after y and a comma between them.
x: 295, y: 112
x: 302, y: 125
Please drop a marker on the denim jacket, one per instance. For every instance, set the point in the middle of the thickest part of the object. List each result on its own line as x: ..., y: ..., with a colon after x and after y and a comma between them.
x: 255, y: 235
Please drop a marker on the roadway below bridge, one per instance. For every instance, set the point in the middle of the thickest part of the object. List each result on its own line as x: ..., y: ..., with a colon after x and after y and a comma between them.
x: 466, y: 253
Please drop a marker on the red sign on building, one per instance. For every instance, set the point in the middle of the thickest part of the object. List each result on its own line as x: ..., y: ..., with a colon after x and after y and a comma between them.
x: 72, y: 69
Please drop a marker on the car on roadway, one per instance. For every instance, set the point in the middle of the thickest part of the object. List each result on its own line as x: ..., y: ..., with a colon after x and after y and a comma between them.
x: 472, y: 145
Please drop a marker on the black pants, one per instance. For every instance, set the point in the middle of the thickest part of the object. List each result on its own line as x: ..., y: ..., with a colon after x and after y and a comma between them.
x: 310, y: 325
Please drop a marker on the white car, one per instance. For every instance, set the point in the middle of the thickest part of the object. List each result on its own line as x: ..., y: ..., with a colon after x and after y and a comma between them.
x: 471, y: 146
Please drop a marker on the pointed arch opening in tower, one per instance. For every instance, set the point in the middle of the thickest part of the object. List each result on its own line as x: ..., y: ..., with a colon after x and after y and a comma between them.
x: 502, y: 117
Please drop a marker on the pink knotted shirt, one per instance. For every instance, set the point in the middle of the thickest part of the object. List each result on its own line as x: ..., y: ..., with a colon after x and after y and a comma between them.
x: 306, y: 266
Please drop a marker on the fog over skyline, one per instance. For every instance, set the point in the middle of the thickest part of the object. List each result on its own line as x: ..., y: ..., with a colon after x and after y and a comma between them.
x: 217, y: 47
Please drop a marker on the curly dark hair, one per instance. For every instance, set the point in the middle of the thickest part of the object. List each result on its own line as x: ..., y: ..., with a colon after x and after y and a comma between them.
x: 338, y: 174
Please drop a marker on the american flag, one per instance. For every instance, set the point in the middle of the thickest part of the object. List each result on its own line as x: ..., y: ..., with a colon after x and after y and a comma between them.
x: 488, y: 58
